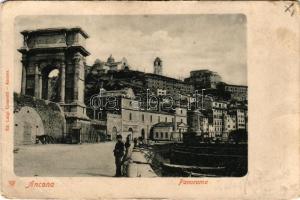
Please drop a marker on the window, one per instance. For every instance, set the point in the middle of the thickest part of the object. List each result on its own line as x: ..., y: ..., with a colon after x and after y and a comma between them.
x: 156, y: 134
x: 130, y: 116
x: 166, y: 119
x: 181, y: 111
x: 166, y: 135
x: 158, y: 118
x: 150, y: 118
x: 181, y: 120
x: 161, y: 135
x: 143, y: 118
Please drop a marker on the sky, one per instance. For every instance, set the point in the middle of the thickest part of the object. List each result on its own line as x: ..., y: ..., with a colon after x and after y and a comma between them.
x: 183, y: 42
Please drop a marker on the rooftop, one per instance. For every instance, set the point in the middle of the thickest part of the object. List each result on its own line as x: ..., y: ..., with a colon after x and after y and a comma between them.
x: 231, y: 85
x: 58, y: 29
x: 164, y: 77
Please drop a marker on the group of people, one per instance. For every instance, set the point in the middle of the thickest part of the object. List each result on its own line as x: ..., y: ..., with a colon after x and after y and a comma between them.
x: 122, y: 154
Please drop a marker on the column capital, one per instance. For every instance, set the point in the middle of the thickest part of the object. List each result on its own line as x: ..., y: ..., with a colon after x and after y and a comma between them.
x: 24, y: 61
x: 77, y: 57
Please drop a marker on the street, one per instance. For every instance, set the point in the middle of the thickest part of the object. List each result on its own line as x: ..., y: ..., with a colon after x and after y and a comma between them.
x: 65, y: 160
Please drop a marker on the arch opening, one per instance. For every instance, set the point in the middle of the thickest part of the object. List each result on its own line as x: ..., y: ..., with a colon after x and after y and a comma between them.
x: 50, y: 84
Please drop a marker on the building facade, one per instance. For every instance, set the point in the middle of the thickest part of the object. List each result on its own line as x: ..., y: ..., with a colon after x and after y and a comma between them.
x: 203, y: 79
x: 124, y: 115
x: 237, y: 92
x: 172, y: 86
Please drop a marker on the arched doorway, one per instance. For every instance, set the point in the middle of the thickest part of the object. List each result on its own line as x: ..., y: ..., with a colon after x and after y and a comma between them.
x: 130, y: 132
x: 151, y: 136
x: 114, y: 133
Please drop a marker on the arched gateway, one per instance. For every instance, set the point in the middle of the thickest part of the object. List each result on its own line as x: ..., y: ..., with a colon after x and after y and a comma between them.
x: 63, y: 50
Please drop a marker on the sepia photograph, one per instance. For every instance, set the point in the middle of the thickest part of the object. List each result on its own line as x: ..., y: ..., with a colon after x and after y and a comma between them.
x: 149, y: 99
x: 130, y: 96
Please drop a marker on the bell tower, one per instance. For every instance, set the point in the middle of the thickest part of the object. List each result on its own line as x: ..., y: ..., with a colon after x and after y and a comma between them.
x: 157, y: 66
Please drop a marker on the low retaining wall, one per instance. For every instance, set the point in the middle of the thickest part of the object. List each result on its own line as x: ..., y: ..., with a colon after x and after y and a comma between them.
x: 50, y: 113
x: 139, y: 166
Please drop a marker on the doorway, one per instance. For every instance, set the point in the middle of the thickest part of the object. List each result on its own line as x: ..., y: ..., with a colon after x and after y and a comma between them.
x: 143, y: 134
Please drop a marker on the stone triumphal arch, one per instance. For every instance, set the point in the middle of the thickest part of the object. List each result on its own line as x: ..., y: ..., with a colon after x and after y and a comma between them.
x: 62, y: 50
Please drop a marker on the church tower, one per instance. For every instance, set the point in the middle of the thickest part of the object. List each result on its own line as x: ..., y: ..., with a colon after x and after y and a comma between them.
x: 158, y: 66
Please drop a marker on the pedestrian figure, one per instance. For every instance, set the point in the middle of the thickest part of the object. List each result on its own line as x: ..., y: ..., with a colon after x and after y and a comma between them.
x: 140, y: 141
x: 127, y: 143
x: 119, y: 153
x: 127, y: 155
x: 135, y: 142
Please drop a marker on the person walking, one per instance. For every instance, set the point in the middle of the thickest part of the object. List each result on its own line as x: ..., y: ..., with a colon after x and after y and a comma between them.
x: 119, y: 153
x: 127, y: 143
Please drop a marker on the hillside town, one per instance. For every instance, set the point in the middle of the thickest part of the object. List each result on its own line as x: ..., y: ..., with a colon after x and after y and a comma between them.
x: 63, y: 100
x: 161, y: 108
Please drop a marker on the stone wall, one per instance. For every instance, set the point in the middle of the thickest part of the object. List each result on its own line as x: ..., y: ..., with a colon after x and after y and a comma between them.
x: 50, y: 113
x: 27, y: 125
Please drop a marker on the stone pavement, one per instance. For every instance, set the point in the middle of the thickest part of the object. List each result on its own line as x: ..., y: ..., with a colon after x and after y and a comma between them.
x: 139, y: 166
x: 65, y: 160
x: 76, y: 160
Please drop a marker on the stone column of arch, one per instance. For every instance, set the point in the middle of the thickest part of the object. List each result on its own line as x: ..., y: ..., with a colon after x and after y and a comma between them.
x: 62, y: 81
x: 40, y: 84
x: 36, y: 81
x: 76, y: 59
x: 23, y: 86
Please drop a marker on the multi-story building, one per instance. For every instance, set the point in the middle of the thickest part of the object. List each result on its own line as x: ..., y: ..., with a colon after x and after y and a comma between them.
x: 240, y: 114
x: 166, y: 131
x: 237, y: 92
x: 229, y: 125
x: 162, y: 130
x: 172, y: 86
x: 122, y: 114
x: 203, y: 79
x: 217, y: 110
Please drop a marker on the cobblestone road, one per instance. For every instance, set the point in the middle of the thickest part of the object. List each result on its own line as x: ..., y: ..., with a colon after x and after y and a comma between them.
x: 65, y: 160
